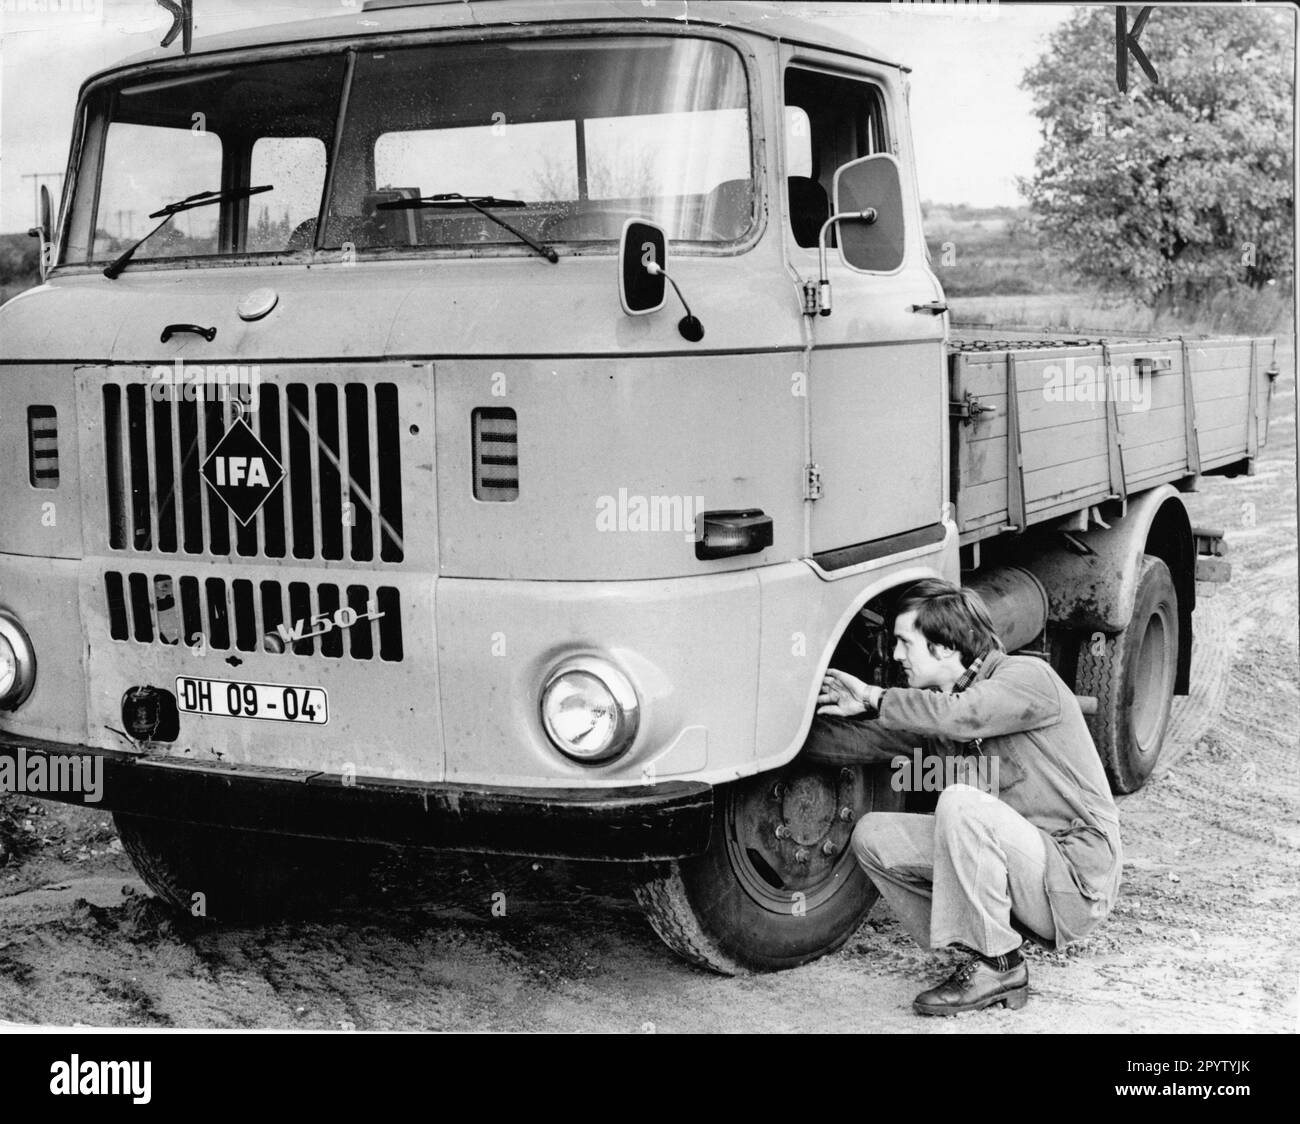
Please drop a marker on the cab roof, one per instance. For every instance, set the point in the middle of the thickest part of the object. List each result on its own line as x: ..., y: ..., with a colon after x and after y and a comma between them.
x: 386, y: 17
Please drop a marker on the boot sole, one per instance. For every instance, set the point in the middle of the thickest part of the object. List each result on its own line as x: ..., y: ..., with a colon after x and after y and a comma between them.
x: 1013, y: 1000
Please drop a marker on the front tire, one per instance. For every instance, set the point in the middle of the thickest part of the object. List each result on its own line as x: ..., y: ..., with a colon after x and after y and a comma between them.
x: 1132, y: 676
x: 757, y: 900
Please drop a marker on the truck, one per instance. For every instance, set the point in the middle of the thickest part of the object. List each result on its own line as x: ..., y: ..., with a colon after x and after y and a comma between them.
x: 504, y: 416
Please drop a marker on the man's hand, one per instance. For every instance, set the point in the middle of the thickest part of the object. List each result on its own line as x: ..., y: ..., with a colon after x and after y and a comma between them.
x: 844, y: 696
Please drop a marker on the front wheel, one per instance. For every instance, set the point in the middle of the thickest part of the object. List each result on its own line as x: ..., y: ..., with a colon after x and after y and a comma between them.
x: 1132, y: 676
x: 778, y: 885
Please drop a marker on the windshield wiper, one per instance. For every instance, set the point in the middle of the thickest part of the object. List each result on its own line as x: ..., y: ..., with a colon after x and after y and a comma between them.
x: 200, y: 199
x: 480, y: 203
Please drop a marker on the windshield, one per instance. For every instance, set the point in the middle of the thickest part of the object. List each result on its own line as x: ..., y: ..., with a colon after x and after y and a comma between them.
x: 586, y: 133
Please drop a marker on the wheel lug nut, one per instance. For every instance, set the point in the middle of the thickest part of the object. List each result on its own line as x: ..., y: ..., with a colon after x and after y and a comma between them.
x: 801, y: 855
x: 829, y: 848
x: 782, y: 832
x: 846, y: 814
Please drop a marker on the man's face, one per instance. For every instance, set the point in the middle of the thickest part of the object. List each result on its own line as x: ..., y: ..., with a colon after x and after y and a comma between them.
x: 923, y: 669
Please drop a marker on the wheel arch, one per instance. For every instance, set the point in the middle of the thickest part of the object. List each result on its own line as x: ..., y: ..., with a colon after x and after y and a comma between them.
x: 1094, y: 588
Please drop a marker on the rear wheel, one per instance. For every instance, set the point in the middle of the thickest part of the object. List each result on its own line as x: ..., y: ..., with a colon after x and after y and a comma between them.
x: 1132, y: 676
x: 778, y: 885
x: 240, y: 876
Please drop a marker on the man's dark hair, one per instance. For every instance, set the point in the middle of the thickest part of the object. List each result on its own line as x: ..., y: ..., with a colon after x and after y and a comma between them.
x: 952, y: 616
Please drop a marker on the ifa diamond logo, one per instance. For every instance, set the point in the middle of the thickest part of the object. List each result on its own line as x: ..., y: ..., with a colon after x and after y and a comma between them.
x: 242, y: 471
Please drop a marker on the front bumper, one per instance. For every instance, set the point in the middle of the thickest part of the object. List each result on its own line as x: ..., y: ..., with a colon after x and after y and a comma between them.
x: 665, y: 821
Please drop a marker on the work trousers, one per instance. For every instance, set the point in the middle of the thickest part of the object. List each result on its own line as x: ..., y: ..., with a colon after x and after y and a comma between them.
x: 961, y: 876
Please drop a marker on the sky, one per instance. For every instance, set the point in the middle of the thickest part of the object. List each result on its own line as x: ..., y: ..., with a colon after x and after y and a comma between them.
x: 973, y: 126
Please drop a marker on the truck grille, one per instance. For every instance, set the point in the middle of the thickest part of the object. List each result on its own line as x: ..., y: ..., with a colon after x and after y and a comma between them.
x: 339, y: 446
x: 249, y: 617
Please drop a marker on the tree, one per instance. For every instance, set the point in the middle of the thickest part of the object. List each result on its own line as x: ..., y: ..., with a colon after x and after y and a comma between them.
x: 1173, y: 189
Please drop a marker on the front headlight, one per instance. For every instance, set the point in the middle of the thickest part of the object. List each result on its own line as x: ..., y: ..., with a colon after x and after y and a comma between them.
x: 17, y: 663
x: 589, y: 710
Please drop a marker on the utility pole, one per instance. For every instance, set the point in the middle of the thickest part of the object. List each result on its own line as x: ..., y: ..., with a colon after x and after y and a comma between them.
x: 36, y: 178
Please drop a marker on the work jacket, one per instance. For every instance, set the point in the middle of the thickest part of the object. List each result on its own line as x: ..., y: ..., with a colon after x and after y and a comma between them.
x: 1018, y: 711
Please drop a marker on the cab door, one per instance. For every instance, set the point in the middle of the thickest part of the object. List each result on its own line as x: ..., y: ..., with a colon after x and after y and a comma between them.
x: 876, y: 378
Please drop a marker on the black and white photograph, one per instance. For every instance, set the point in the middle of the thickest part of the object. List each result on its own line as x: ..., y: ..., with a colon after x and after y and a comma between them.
x: 648, y: 517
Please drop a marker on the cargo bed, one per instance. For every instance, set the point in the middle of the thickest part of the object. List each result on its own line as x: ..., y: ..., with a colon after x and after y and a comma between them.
x: 1073, y: 435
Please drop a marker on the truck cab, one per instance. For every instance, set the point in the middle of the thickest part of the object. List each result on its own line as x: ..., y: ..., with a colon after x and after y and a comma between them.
x: 377, y: 505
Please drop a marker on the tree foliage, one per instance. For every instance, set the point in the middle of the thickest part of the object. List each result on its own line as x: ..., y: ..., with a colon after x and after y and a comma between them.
x: 1175, y: 189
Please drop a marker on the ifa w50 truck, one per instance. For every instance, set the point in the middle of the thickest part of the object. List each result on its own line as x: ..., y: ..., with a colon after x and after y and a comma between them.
x: 479, y: 426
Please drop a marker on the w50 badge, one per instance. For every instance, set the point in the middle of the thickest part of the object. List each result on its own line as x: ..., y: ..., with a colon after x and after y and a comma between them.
x: 269, y: 702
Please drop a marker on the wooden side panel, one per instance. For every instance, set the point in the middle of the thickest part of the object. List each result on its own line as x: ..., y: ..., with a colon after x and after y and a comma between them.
x: 1069, y: 450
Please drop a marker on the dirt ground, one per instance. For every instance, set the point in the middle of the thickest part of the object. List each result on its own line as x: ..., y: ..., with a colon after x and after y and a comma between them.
x: 1202, y: 939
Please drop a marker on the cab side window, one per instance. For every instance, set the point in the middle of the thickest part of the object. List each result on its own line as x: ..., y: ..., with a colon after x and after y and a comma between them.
x: 829, y: 121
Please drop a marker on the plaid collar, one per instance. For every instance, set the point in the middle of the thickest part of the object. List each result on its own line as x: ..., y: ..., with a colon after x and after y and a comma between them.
x: 971, y: 673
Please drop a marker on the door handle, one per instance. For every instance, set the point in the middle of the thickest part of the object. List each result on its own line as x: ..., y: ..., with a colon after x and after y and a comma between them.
x: 208, y: 334
x: 934, y: 308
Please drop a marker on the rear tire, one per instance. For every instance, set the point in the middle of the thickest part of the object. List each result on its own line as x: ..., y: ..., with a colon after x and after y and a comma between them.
x: 756, y: 902
x: 221, y: 874
x: 1132, y: 676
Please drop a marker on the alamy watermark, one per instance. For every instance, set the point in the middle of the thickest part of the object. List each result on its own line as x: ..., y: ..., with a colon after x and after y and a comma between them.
x: 630, y: 513
x: 48, y: 772
x: 86, y: 9
x: 932, y: 772
x: 1076, y: 381
x: 214, y: 382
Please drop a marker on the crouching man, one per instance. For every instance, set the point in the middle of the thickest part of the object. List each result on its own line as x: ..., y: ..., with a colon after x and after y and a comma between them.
x: 1041, y: 855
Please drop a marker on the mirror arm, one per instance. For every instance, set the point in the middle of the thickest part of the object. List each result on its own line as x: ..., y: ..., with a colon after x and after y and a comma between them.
x: 823, y: 282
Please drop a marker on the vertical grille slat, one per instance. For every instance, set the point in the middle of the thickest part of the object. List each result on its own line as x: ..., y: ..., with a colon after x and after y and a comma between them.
x: 192, y: 611
x: 116, y: 594
x: 387, y: 435
x: 297, y: 404
x: 164, y: 597
x: 271, y: 521
x: 272, y: 614
x: 178, y: 461
x: 154, y: 493
x: 166, y: 461
x: 376, y: 493
x: 218, y: 614
x: 348, y: 514
x: 339, y: 445
x: 137, y: 459
x: 193, y: 503
x: 241, y: 592
x: 362, y: 472
x: 329, y: 470
x: 214, y: 425
x: 113, y: 423
x: 206, y: 499
x: 390, y: 624
x: 362, y: 646
x: 314, y: 458
x: 141, y: 608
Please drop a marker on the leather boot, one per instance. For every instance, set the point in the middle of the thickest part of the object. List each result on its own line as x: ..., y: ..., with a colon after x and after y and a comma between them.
x: 974, y: 986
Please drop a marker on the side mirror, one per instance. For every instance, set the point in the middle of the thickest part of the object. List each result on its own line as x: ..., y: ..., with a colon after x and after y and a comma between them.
x: 45, y: 232
x: 872, y: 183
x: 640, y: 289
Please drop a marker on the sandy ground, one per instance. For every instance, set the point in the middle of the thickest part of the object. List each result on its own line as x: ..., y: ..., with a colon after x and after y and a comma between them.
x: 1203, y: 938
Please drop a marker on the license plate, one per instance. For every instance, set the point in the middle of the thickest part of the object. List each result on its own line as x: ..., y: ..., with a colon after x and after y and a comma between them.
x: 269, y: 702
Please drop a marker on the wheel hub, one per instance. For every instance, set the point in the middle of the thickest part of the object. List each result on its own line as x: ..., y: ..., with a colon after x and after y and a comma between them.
x: 790, y: 835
